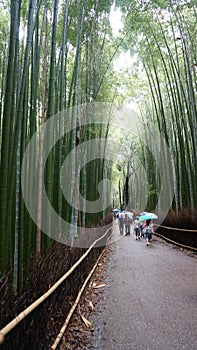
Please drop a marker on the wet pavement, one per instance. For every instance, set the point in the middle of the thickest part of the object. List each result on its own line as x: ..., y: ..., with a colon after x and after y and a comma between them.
x: 150, y: 298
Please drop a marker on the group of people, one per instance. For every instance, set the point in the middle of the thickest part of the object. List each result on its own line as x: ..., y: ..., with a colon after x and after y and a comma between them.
x: 141, y: 228
x: 124, y: 221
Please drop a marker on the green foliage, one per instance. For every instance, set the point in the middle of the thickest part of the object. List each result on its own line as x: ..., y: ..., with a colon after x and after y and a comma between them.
x: 72, y: 63
x: 54, y: 65
x: 161, y: 35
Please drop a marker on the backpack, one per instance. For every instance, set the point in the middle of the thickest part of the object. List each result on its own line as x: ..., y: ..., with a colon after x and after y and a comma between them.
x: 149, y: 229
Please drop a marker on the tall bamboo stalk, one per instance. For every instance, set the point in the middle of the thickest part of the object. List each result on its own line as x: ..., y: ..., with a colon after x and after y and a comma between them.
x: 6, y: 132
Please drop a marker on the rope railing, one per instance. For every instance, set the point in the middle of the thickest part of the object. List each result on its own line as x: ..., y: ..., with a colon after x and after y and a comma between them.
x: 175, y: 228
x: 174, y: 242
x: 4, y: 331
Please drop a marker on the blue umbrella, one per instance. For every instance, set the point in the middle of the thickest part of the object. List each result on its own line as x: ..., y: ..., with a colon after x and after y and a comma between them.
x: 148, y: 216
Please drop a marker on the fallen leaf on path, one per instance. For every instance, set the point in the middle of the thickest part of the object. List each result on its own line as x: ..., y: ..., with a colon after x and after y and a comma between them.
x: 100, y: 285
x: 91, y: 305
x: 85, y: 320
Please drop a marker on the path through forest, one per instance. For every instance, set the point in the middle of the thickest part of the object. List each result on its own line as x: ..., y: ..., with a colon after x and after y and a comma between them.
x: 150, y: 301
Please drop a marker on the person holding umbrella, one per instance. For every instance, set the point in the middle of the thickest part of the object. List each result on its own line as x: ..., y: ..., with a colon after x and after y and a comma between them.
x: 149, y: 231
x: 149, y: 225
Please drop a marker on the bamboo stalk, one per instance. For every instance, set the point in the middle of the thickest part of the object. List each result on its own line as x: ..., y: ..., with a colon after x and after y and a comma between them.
x: 5, y: 136
x: 41, y: 141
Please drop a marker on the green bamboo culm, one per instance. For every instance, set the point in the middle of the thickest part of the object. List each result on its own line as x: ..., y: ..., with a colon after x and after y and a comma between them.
x: 4, y: 167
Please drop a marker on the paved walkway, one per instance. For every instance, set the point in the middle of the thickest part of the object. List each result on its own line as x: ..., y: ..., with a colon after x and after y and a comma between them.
x: 150, y: 301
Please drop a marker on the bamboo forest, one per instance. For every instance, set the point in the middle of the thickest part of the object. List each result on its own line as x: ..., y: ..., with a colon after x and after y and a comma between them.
x: 97, y: 111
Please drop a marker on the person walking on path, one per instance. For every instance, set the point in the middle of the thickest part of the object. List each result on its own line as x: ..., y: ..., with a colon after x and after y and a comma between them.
x: 149, y: 231
x: 127, y: 225
x: 143, y: 234
x: 137, y: 228
x: 141, y: 228
x: 121, y: 223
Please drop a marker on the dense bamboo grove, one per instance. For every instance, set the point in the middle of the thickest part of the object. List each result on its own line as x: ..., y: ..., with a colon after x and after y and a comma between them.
x: 58, y: 55
x: 55, y: 55
x: 165, y: 37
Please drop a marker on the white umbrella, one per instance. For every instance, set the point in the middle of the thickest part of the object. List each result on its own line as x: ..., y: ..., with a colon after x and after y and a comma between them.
x: 129, y: 214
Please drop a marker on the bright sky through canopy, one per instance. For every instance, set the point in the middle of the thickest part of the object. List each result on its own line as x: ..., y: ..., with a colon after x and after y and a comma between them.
x: 115, y: 19
x: 124, y: 60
